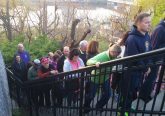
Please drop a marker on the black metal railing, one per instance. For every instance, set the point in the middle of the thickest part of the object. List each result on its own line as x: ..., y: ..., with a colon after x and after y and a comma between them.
x: 105, y: 91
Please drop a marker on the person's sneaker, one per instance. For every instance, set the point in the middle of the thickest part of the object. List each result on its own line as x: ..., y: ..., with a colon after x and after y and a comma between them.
x: 125, y: 114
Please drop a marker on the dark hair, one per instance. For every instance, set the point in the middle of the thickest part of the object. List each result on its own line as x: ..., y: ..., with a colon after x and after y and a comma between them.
x: 58, y: 52
x: 74, y: 52
x: 140, y: 17
x: 124, y: 38
x: 93, y: 47
x: 16, y: 56
x: 111, y: 44
x: 56, y: 56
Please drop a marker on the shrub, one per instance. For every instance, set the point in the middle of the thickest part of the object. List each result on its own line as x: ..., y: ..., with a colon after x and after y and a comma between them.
x: 37, y: 48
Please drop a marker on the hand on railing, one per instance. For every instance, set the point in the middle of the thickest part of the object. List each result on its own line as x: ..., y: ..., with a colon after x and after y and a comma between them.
x: 147, y: 72
x: 54, y: 72
x: 97, y: 64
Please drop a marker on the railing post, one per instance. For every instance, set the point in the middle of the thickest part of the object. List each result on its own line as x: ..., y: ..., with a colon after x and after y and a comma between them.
x: 81, y: 95
x: 54, y: 110
x: 54, y: 102
x: 28, y: 92
x: 160, y: 79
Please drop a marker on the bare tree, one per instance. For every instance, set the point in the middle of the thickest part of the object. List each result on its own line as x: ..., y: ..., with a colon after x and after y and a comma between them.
x: 121, y: 22
x: 72, y: 41
x: 5, y: 17
x: 44, y: 21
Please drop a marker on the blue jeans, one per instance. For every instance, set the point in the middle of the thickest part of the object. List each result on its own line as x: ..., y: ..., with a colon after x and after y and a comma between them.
x: 105, y: 94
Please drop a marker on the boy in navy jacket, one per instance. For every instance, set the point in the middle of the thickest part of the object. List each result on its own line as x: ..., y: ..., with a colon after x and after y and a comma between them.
x: 138, y: 42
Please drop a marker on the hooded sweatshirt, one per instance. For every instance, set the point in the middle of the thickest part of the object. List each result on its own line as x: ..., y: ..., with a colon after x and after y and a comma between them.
x: 137, y: 43
x: 158, y: 36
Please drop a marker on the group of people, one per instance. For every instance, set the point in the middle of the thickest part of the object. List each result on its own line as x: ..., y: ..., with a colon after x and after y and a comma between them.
x: 136, y: 41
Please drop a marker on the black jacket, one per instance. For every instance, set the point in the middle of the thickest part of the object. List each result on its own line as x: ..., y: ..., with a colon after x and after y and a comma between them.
x: 60, y: 63
x: 83, y: 56
x: 158, y: 36
x: 20, y: 70
x: 137, y: 43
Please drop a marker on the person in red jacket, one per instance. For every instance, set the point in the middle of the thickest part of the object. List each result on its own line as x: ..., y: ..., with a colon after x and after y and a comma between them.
x: 46, y: 70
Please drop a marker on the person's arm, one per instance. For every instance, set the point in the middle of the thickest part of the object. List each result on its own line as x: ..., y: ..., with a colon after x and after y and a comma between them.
x: 16, y: 71
x: 60, y: 64
x: 156, y: 39
x: 66, y: 67
x: 81, y: 63
x: 91, y: 61
x: 43, y: 75
x: 131, y: 47
x: 98, y: 58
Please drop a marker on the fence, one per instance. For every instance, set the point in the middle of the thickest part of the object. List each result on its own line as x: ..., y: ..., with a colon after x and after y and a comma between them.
x: 110, y: 90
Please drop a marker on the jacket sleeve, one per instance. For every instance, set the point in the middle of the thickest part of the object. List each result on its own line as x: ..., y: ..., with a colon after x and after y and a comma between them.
x: 15, y: 70
x: 94, y: 60
x: 156, y: 39
x: 97, y: 58
x: 91, y: 61
x: 29, y: 56
x: 60, y: 64
x: 131, y: 47
x: 66, y: 66
x: 43, y: 75
x: 82, y: 63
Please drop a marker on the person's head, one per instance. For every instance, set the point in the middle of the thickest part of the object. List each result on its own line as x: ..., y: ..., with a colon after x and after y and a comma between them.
x: 74, y: 54
x: 93, y: 47
x: 58, y: 52
x: 83, y: 45
x: 17, y: 58
x: 20, y: 47
x: 50, y: 55
x: 66, y: 51
x: 143, y: 22
x: 36, y: 63
x: 114, y: 50
x: 56, y: 57
x: 45, y: 62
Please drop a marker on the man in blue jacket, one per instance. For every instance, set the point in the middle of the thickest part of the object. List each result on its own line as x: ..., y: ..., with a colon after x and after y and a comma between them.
x: 158, y: 41
x: 138, y: 42
x: 158, y: 36
x: 23, y: 54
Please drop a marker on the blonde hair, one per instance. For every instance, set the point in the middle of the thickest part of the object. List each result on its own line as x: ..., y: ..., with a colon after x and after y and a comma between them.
x: 115, y: 47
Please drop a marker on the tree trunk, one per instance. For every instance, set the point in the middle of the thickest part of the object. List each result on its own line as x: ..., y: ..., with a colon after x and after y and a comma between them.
x: 72, y: 33
x: 8, y: 25
x: 44, y: 28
